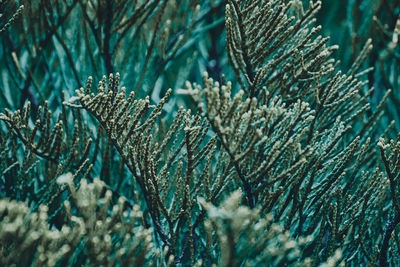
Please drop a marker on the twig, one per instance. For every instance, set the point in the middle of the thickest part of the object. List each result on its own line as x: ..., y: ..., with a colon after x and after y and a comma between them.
x: 385, y: 244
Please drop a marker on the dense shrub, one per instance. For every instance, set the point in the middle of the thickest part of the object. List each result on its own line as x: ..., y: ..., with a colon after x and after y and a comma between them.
x: 264, y: 151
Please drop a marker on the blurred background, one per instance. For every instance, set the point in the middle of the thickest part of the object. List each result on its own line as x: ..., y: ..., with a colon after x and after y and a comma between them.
x: 55, y: 45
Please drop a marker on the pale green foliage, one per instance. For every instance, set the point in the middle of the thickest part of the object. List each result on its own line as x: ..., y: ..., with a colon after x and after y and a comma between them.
x: 292, y: 137
x: 245, y: 131
x: 246, y: 238
x: 285, y: 169
x: 165, y: 165
x: 26, y: 235
x: 105, y: 233
x: 301, y: 147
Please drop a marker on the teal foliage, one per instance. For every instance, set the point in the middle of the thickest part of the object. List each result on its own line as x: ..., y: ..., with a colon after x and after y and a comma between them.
x: 350, y: 24
x: 225, y: 133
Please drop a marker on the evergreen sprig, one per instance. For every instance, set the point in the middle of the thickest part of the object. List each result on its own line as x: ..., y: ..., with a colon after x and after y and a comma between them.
x: 283, y: 161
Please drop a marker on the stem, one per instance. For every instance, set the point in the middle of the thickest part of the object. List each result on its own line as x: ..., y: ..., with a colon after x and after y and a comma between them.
x: 107, y: 37
x: 385, y: 244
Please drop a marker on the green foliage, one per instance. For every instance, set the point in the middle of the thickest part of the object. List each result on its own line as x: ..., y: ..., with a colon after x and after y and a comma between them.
x: 282, y: 162
x: 351, y: 23
x: 101, y: 233
x: 264, y: 243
